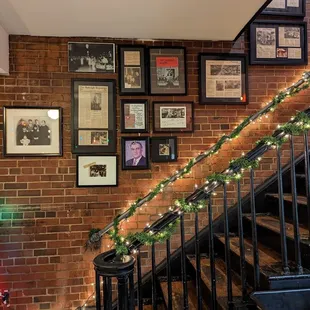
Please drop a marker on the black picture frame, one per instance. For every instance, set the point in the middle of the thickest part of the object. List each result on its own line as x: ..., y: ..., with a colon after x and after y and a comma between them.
x: 242, y: 81
x: 91, y: 57
x: 104, y: 136
x: 88, y: 162
x: 131, y: 64
x: 127, y: 161
x: 158, y: 55
x: 281, y: 52
x: 164, y: 128
x: 169, y: 145
x: 30, y: 139
x: 124, y: 115
x: 287, y: 10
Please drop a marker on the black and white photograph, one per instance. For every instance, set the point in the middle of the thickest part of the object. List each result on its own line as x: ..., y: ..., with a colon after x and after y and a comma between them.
x: 96, y: 102
x: 168, y: 77
x: 164, y: 149
x: 96, y: 170
x: 132, y: 77
x: 291, y: 33
x: 173, y: 117
x: 99, y: 137
x: 266, y: 36
x: 135, y: 153
x: 32, y: 131
x: 91, y: 57
x: 225, y: 70
x: 232, y: 84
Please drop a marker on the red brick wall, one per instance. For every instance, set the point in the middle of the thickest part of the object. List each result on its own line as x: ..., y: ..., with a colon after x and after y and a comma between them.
x: 45, y: 219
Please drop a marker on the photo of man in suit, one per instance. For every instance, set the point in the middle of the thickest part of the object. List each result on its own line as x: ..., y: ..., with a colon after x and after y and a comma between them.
x: 137, y: 155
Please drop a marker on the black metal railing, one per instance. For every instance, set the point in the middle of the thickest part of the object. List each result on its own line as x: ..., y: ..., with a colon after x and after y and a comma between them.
x: 107, y: 265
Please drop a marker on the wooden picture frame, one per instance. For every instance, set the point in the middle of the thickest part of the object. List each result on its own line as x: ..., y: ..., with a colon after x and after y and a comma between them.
x: 296, y: 8
x: 93, y: 116
x: 281, y: 42
x: 164, y: 149
x: 32, y: 131
x: 223, y: 79
x: 134, y: 115
x: 173, y: 117
x: 135, y: 153
x: 96, y: 170
x: 132, y: 68
x: 168, y: 73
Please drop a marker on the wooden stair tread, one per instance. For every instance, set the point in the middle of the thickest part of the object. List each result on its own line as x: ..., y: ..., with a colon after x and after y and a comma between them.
x: 273, y: 223
x: 150, y: 307
x: 302, y: 200
x: 177, y: 295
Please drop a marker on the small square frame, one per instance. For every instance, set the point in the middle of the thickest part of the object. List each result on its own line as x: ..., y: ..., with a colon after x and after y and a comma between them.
x: 155, y: 145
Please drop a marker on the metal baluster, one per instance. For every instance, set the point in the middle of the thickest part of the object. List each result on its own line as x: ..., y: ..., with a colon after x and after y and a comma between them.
x: 169, y: 275
x: 139, y: 276
x: 241, y: 244
x: 254, y: 234
x: 285, y: 267
x: 183, y: 262
x: 107, y: 293
x: 212, y: 255
x: 198, y: 267
x: 123, y: 292
x: 98, y: 298
x: 154, y: 289
x: 131, y: 292
x: 295, y: 209
x: 227, y: 249
x: 307, y: 174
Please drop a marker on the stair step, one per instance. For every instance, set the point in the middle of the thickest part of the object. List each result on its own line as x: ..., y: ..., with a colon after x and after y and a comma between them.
x: 221, y: 279
x: 177, y: 295
x: 300, y: 175
x: 302, y: 200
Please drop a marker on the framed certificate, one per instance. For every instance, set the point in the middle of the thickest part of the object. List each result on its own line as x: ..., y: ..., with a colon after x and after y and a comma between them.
x: 93, y: 116
x: 286, y: 8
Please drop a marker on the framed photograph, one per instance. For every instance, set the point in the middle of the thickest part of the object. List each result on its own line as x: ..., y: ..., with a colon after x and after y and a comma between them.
x: 278, y: 43
x: 93, y: 116
x: 167, y: 71
x: 96, y: 170
x: 32, y: 131
x: 223, y: 79
x: 164, y: 149
x: 173, y: 116
x: 132, y: 70
x: 135, y: 153
x: 134, y: 115
x: 286, y: 8
x: 91, y: 57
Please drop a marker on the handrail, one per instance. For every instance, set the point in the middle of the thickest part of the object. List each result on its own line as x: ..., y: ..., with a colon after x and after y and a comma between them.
x: 205, y: 191
x: 301, y: 84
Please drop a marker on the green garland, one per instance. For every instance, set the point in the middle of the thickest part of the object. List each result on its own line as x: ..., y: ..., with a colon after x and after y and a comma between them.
x: 95, y: 237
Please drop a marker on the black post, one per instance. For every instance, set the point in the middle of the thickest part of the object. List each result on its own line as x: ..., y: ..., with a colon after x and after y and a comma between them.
x: 212, y: 255
x: 122, y: 292
x: 154, y: 294
x: 131, y: 292
x: 107, y: 293
x: 98, y: 298
x: 241, y: 244
x: 169, y: 275
x: 295, y: 209
x: 183, y: 262
x: 285, y: 267
x: 227, y: 249
x: 139, y: 276
x: 254, y: 234
x: 307, y: 174
x: 198, y: 267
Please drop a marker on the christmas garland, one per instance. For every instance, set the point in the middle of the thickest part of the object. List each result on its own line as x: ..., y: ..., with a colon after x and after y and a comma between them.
x: 304, y: 83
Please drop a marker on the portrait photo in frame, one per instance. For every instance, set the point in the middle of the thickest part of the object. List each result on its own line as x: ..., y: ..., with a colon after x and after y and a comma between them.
x: 93, y: 116
x: 132, y: 64
x: 96, y: 170
x: 167, y: 74
x: 223, y: 79
x: 286, y: 8
x: 173, y: 116
x: 32, y: 131
x: 134, y: 115
x: 278, y: 43
x: 164, y: 149
x: 135, y: 153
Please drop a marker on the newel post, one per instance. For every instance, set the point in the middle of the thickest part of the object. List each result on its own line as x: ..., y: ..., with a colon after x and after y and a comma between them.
x: 107, y: 266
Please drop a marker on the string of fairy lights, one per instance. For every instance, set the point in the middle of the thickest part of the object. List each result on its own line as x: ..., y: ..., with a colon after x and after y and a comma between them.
x: 121, y: 243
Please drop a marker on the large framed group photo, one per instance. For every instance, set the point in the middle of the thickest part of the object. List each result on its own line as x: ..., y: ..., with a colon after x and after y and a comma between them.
x: 32, y: 131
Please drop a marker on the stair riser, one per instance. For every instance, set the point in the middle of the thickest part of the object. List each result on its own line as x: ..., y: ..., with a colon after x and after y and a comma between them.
x: 300, y: 186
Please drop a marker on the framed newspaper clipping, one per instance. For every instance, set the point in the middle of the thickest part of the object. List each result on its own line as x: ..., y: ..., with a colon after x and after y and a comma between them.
x: 278, y: 43
x: 167, y: 71
x: 223, y: 79
x: 132, y: 70
x: 93, y: 116
x: 286, y: 8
